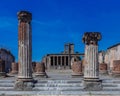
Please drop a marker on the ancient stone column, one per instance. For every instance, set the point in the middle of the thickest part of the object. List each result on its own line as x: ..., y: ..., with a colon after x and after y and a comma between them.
x: 91, y: 66
x: 40, y: 70
x: 2, y: 68
x: 14, y: 68
x: 25, y: 79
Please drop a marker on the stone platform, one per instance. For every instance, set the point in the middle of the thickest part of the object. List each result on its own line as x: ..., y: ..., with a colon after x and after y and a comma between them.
x: 60, y: 83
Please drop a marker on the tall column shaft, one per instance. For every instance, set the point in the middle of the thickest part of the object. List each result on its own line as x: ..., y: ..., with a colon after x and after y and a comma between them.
x: 91, y: 57
x: 25, y: 50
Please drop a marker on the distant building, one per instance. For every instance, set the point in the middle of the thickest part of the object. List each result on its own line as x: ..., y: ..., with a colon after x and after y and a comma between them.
x: 112, y: 53
x: 7, y: 57
x: 61, y: 60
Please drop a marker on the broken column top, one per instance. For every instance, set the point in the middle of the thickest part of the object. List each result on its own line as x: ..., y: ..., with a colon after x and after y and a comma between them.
x: 24, y: 16
x: 91, y: 38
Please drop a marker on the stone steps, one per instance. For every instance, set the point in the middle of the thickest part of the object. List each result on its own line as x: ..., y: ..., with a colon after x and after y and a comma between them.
x: 57, y: 88
x: 60, y: 85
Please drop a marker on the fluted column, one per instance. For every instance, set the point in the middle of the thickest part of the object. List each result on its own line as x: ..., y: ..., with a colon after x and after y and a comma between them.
x: 25, y: 51
x: 91, y: 70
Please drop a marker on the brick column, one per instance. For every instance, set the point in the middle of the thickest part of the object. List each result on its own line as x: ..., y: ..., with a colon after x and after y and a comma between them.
x: 14, y: 68
x: 91, y: 70
x: 2, y: 68
x: 77, y: 69
x: 25, y: 79
x: 40, y: 70
x: 116, y: 68
x: 103, y: 68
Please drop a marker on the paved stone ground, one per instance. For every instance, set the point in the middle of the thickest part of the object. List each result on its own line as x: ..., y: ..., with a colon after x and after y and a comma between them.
x: 60, y: 83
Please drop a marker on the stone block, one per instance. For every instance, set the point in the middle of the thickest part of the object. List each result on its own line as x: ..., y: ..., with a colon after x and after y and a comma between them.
x: 92, y: 85
x: 24, y: 85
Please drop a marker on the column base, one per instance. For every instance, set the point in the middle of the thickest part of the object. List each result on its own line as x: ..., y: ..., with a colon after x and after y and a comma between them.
x: 41, y: 74
x: 92, y: 84
x: 2, y: 74
x: 24, y: 84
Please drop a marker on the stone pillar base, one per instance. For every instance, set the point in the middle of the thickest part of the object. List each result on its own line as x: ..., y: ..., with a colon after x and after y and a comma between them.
x: 41, y: 74
x: 24, y: 84
x: 92, y: 84
x: 2, y: 74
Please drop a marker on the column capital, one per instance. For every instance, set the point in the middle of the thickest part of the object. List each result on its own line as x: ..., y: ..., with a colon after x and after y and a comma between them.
x: 91, y: 38
x: 24, y: 16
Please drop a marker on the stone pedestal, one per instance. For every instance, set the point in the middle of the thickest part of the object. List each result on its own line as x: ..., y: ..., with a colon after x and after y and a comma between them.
x: 77, y: 69
x: 14, y: 68
x: 103, y: 68
x: 2, y: 68
x: 91, y: 66
x: 25, y: 80
x: 40, y: 70
x: 116, y: 68
x: 92, y: 84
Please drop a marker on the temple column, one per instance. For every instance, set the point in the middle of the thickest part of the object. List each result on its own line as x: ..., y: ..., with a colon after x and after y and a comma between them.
x: 64, y: 62
x: 57, y: 62
x: 91, y: 70
x: 61, y: 61
x: 25, y: 79
x: 53, y: 61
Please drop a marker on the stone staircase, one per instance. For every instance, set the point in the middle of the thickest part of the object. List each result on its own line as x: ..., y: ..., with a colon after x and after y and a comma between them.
x: 60, y: 87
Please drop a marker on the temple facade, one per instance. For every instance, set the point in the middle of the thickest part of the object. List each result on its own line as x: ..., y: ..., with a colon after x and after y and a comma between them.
x: 62, y: 60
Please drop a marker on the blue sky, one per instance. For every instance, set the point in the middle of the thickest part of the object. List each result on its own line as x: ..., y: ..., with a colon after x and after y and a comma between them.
x: 56, y: 22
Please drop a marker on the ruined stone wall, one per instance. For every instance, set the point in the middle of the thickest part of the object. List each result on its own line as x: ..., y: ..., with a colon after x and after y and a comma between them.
x: 8, y: 58
x: 111, y: 55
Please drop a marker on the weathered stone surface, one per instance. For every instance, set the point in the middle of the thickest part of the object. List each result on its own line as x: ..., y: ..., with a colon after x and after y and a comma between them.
x: 77, y: 68
x: 14, y: 68
x: 116, y: 68
x: 25, y: 79
x: 2, y: 68
x: 40, y: 70
x: 34, y: 67
x: 92, y: 84
x: 91, y: 66
x: 103, y: 68
x: 22, y: 85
